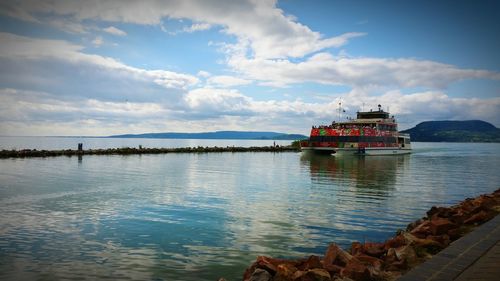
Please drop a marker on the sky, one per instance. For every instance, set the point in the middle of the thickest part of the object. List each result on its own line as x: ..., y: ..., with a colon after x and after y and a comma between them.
x: 99, y: 68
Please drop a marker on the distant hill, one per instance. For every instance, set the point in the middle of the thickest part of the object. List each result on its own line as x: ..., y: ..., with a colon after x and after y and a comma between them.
x: 233, y: 135
x: 454, y: 131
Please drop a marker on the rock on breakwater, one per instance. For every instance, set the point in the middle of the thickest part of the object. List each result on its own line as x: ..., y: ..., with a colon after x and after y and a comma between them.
x: 132, y: 150
x: 386, y: 260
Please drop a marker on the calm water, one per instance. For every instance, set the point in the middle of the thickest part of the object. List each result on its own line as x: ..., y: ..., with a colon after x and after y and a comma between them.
x: 203, y: 216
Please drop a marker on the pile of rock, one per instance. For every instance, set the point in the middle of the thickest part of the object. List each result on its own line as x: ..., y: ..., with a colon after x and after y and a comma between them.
x: 141, y: 150
x: 388, y: 260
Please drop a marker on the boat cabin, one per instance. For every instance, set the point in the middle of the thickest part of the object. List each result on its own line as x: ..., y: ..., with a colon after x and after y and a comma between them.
x: 373, y: 115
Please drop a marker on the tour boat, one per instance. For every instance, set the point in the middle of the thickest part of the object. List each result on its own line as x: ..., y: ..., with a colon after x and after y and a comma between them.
x: 371, y: 133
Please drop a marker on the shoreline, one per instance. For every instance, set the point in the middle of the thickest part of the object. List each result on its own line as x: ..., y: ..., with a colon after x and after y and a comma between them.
x: 25, y: 153
x: 387, y: 260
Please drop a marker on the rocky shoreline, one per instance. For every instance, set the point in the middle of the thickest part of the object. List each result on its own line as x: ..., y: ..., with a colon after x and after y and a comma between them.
x: 140, y: 150
x: 387, y: 260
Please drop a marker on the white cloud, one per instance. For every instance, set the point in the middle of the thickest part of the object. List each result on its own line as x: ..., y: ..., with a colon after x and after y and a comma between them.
x: 115, y: 31
x: 270, y: 32
x: 15, y: 46
x: 355, y: 72
x: 265, y: 32
x: 23, y: 104
x: 20, y: 47
x: 98, y: 41
x: 197, y: 27
x: 30, y: 112
x: 227, y: 81
x: 417, y: 107
x: 217, y: 102
x: 203, y: 74
x: 272, y: 49
x: 17, y: 10
x: 68, y: 26
x: 207, y: 109
x: 409, y: 108
x: 270, y: 36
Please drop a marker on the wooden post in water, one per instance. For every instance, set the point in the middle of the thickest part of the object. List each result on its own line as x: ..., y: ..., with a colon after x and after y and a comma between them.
x: 80, y: 146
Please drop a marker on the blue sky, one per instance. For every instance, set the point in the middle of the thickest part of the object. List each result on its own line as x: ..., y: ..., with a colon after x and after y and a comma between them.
x: 112, y: 67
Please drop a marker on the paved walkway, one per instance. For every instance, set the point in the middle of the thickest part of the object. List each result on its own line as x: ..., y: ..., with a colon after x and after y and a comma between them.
x: 476, y: 256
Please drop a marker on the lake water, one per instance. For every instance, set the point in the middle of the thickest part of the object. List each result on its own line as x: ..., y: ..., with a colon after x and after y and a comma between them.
x: 204, y: 216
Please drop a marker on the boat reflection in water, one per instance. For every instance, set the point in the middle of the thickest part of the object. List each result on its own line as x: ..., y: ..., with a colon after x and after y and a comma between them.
x: 373, y: 176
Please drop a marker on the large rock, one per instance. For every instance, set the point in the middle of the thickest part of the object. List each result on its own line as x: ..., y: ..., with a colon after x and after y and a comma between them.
x: 369, y: 261
x: 284, y: 272
x: 479, y: 218
x: 443, y: 239
x: 468, y: 205
x: 310, y: 263
x: 414, y: 224
x: 390, y: 257
x: 429, y: 245
x: 459, y: 216
x: 344, y: 258
x: 421, y: 230
x: 389, y: 275
x: 407, y: 255
x: 442, y: 212
x: 331, y: 254
x: 333, y: 269
x: 338, y: 278
x: 440, y: 226
x: 356, y: 271
x: 316, y: 274
x: 260, y: 275
x: 395, y: 242
x: 456, y: 233
x: 270, y: 264
x: 267, y: 263
x: 356, y: 248
x: 487, y: 201
x: 374, y: 249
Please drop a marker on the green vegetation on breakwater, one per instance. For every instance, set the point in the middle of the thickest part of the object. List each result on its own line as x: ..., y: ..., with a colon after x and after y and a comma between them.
x: 141, y: 150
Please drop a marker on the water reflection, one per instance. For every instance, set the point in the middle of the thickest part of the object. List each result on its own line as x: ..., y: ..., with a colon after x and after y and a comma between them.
x: 203, y: 216
x: 374, y: 176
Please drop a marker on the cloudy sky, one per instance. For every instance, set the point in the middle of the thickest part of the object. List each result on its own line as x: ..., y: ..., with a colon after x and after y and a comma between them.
x: 75, y: 67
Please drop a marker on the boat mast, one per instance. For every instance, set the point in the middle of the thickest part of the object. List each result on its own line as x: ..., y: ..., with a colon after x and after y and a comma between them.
x: 340, y: 110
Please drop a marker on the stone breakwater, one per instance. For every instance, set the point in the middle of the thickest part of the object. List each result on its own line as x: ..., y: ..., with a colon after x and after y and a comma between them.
x: 131, y: 150
x: 388, y: 260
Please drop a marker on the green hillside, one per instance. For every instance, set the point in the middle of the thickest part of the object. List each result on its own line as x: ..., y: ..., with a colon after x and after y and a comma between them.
x: 454, y: 131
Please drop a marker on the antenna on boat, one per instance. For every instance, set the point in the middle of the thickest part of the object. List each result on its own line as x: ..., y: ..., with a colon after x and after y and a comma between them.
x: 363, y: 107
x: 340, y: 110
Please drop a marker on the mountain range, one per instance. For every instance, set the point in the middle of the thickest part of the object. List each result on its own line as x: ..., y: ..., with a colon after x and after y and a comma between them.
x: 454, y: 131
x: 428, y: 131
x: 233, y: 135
